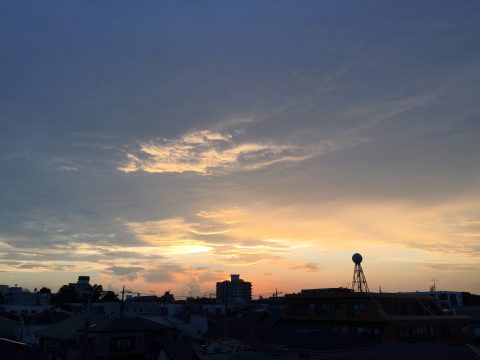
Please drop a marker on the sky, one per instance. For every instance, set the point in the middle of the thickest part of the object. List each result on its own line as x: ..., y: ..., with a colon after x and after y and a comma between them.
x: 166, y: 145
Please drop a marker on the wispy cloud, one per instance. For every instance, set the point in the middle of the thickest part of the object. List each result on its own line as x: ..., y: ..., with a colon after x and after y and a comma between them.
x: 205, y: 152
x: 450, y: 266
x: 124, y: 272
x: 163, y: 273
x: 218, y: 233
x: 311, y: 267
x: 209, y: 277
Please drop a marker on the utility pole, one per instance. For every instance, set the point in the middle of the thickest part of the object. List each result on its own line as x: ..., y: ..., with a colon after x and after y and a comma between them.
x: 122, y: 305
x: 85, y: 350
x: 226, y: 308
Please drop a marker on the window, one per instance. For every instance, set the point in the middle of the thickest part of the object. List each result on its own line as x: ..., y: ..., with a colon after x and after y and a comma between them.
x: 356, y: 308
x: 325, y: 309
x: 405, y: 332
x: 453, y: 300
x: 298, y: 309
x: 420, y: 330
x: 122, y: 344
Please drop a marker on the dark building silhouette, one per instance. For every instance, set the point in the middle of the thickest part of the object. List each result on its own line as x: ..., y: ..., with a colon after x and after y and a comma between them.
x: 326, y: 290
x: 10, y: 349
x: 234, y: 291
x: 378, y: 316
x: 82, y: 286
x: 119, y: 338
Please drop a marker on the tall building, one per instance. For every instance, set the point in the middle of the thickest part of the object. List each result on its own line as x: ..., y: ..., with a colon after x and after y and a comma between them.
x: 234, y: 291
x: 83, y: 285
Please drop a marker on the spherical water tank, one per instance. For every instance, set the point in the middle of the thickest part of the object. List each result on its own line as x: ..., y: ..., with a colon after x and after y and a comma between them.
x: 357, y: 258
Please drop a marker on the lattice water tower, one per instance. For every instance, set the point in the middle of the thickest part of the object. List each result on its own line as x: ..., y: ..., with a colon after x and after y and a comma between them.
x: 359, y: 282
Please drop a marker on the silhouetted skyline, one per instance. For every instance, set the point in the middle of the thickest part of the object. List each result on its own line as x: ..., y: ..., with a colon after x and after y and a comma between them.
x: 168, y: 145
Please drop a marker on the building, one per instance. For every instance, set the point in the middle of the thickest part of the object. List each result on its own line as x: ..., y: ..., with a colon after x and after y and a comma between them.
x: 234, y: 291
x: 120, y: 338
x: 7, y: 327
x: 474, y: 313
x: 27, y: 329
x: 130, y: 338
x: 83, y: 285
x: 378, y: 316
x: 19, y: 296
x: 4, y: 289
x: 11, y: 349
x: 326, y: 290
x: 63, y: 340
x: 21, y: 302
x: 167, y: 297
x: 445, y: 299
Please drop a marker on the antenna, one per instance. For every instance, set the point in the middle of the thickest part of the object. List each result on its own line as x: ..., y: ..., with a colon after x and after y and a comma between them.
x: 276, y: 293
x: 359, y: 282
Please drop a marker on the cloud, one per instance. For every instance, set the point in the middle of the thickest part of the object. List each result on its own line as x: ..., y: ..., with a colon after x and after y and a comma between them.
x: 449, y: 267
x: 158, y: 276
x: 214, y: 232
x: 405, y: 119
x: 311, y: 267
x: 125, y: 272
x: 44, y: 266
x: 226, y: 216
x: 244, y: 257
x: 80, y: 257
x: 193, y: 286
x: 176, y: 235
x: 163, y: 273
x: 191, y: 277
x: 205, y: 152
x: 208, y: 277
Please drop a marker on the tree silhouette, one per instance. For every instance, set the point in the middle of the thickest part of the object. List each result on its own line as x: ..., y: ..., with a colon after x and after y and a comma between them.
x: 69, y: 294
x: 470, y: 299
x: 96, y: 293
x: 109, y: 296
x: 66, y: 294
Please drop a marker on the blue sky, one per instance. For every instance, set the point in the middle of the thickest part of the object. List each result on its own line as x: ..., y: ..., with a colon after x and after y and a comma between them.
x: 169, y: 144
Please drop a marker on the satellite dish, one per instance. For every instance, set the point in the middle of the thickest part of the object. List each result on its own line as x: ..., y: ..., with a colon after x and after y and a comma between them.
x: 357, y: 258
